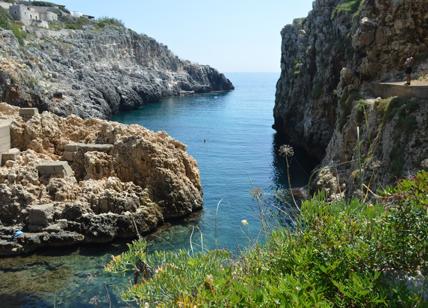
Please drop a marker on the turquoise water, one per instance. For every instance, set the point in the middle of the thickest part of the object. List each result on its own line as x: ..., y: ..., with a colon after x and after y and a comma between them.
x: 230, y: 136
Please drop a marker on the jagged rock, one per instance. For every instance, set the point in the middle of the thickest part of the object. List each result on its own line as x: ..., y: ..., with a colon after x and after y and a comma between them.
x: 95, y: 72
x: 330, y: 60
x: 133, y: 181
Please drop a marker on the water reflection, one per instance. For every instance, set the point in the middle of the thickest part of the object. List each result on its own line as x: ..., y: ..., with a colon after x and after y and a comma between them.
x: 240, y: 153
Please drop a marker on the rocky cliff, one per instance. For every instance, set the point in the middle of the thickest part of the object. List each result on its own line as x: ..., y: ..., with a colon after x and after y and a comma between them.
x: 95, y: 71
x: 84, y: 181
x: 327, y: 99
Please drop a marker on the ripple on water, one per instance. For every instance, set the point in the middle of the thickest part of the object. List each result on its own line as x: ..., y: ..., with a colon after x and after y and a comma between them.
x: 231, y: 137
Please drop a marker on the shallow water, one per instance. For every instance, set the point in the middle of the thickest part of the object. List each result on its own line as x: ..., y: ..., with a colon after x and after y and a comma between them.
x: 230, y: 136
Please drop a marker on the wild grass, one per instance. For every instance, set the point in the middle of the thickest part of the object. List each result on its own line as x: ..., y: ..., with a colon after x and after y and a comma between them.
x: 347, y: 7
x: 340, y: 254
x: 7, y: 23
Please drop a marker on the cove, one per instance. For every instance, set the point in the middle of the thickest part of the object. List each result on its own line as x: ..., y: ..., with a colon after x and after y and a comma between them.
x: 230, y: 136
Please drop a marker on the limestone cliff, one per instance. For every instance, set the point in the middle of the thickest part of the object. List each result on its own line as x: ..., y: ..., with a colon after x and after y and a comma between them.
x: 95, y: 71
x: 90, y: 181
x: 328, y: 97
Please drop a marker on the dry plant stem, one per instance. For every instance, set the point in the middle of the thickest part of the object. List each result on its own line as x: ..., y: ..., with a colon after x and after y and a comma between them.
x: 215, y: 222
x: 136, y: 228
x: 108, y: 296
x: 289, y: 184
x: 191, y: 240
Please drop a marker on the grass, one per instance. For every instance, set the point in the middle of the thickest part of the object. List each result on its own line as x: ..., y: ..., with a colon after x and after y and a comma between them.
x: 348, y: 7
x: 106, y: 21
x: 81, y: 22
x: 340, y: 254
x: 7, y: 23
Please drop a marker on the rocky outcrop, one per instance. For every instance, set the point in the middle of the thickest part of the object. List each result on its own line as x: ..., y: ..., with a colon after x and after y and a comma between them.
x: 325, y: 101
x: 96, y: 71
x: 121, y: 181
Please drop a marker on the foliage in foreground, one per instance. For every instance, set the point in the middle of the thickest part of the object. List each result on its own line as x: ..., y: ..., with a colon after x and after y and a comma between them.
x: 343, y: 254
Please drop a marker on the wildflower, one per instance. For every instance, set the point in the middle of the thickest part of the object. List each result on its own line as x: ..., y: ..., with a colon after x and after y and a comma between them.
x: 286, y: 151
x: 256, y: 193
x: 160, y: 270
x: 209, y: 282
x: 244, y: 222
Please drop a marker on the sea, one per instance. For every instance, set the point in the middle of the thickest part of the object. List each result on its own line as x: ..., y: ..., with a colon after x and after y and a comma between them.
x: 231, y: 137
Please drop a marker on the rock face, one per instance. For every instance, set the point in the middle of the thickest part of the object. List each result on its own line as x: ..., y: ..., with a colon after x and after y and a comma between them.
x: 325, y: 103
x: 95, y: 72
x: 121, y: 181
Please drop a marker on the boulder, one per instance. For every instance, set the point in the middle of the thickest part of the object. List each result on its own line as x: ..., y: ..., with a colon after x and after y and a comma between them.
x: 123, y: 181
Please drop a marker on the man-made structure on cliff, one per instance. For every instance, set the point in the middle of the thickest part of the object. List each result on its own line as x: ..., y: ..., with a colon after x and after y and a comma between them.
x: 94, y: 68
x: 29, y: 14
x: 335, y: 96
x: 388, y: 89
x: 71, y: 181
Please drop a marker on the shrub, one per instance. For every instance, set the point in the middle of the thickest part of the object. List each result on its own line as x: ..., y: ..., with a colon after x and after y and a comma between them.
x: 343, y: 254
x: 106, y: 21
x: 7, y: 23
x: 347, y: 7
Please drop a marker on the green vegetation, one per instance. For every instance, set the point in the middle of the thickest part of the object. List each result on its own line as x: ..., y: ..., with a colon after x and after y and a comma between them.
x: 403, y: 110
x: 107, y: 21
x: 340, y: 254
x: 70, y: 23
x: 348, y: 7
x: 317, y: 90
x: 7, y: 23
x: 81, y: 22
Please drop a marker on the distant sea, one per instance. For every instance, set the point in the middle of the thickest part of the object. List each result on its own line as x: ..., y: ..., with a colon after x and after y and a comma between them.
x: 230, y: 136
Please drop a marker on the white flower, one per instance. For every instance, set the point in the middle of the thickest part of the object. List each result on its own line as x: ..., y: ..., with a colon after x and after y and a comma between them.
x: 244, y: 222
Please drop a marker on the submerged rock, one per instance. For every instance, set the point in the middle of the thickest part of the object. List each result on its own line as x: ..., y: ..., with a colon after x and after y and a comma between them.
x: 123, y: 181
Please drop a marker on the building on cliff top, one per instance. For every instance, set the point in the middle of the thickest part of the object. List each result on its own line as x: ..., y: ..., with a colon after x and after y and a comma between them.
x: 30, y: 15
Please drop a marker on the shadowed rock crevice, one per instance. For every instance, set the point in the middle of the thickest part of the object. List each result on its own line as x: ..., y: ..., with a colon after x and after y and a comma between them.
x: 118, y: 181
x: 334, y: 96
x: 96, y: 72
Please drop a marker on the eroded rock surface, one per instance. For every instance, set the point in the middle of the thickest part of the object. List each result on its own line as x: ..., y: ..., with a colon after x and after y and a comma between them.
x: 134, y: 182
x: 95, y: 72
x: 325, y: 103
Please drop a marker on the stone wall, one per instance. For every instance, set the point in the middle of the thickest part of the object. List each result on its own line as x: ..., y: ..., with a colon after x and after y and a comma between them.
x: 5, y: 143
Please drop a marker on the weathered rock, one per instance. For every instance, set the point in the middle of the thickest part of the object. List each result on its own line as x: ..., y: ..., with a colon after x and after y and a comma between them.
x: 125, y: 181
x: 330, y: 62
x: 95, y: 72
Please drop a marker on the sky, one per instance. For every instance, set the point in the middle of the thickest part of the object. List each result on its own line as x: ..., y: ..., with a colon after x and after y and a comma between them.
x: 230, y: 35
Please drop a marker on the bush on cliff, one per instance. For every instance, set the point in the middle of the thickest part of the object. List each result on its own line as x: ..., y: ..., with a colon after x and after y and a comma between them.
x: 343, y: 254
x: 7, y: 23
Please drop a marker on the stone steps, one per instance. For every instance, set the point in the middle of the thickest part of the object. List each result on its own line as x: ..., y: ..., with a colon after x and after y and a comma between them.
x: 71, y: 149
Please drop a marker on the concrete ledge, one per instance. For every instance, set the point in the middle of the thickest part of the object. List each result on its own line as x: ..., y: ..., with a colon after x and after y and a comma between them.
x: 5, y: 135
x: 50, y: 169
x: 12, y: 154
x: 88, y: 147
x: 28, y: 113
x: 399, y: 89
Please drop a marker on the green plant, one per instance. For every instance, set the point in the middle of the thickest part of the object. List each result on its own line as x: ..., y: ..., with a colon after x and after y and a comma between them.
x: 7, y: 23
x: 106, y: 21
x: 402, y: 111
x: 341, y: 254
x: 347, y: 7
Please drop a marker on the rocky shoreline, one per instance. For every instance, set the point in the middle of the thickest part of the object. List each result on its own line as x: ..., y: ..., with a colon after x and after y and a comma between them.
x: 72, y: 181
x: 95, y: 71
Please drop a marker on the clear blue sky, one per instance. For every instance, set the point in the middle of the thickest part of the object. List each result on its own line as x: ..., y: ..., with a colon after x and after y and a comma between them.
x: 230, y: 35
